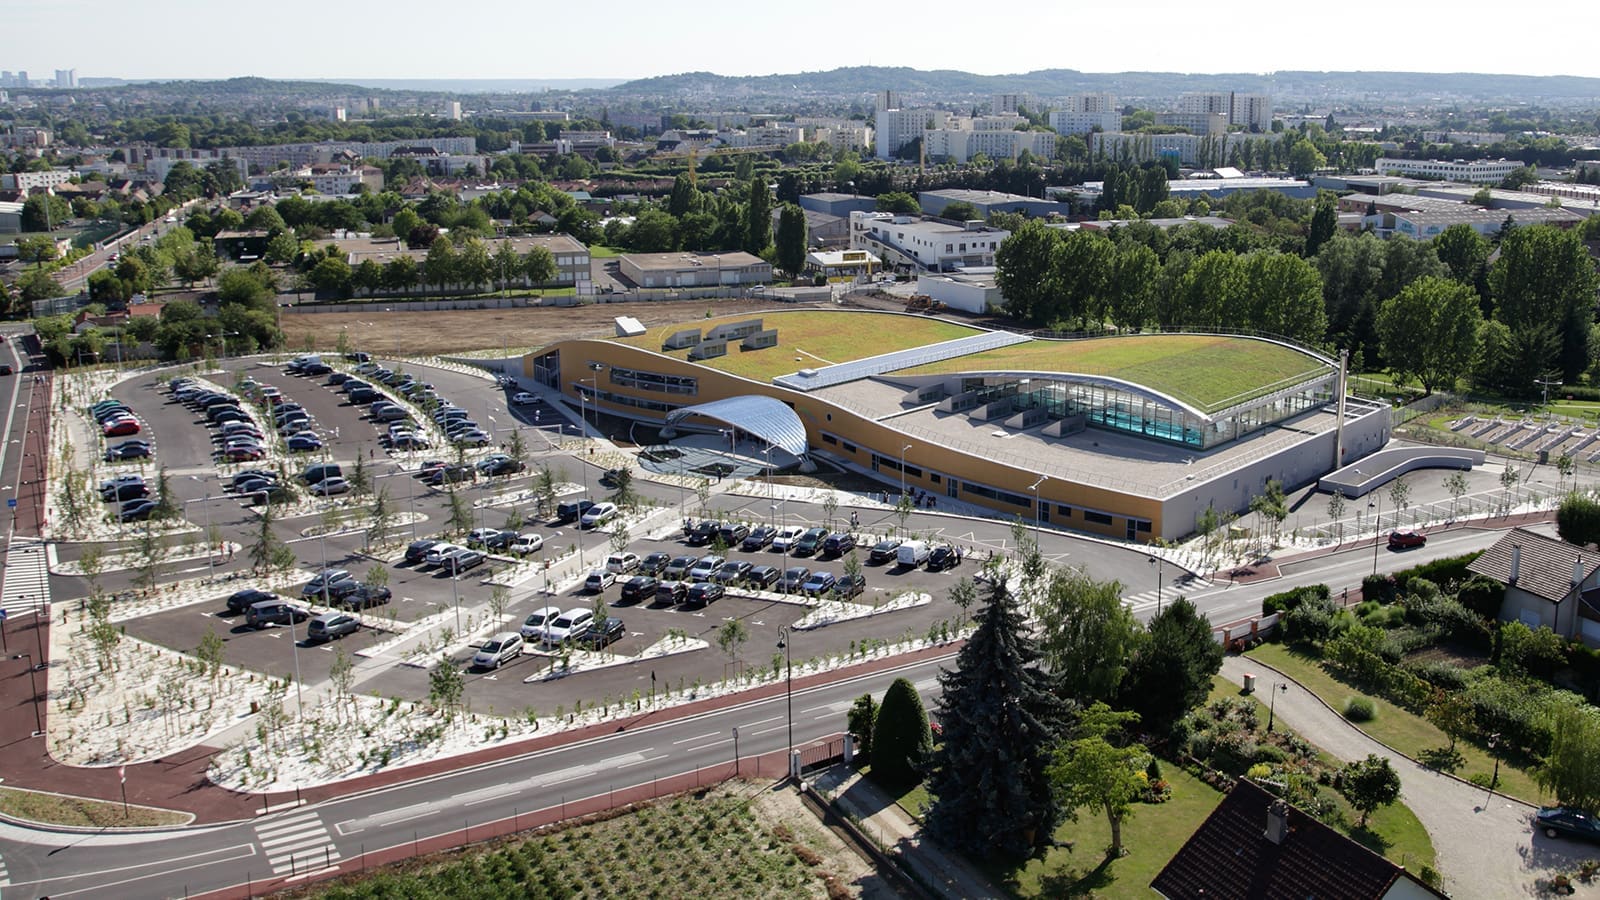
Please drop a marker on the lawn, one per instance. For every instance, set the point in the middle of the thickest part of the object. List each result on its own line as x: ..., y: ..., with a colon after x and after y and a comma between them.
x: 1404, y: 731
x: 82, y: 812
x: 809, y: 339
x: 1206, y: 371
x: 600, y: 251
x: 711, y: 846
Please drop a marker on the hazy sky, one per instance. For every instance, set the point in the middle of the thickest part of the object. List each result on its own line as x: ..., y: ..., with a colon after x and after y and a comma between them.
x: 636, y: 38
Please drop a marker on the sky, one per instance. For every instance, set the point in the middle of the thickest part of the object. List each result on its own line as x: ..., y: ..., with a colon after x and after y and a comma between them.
x: 626, y: 39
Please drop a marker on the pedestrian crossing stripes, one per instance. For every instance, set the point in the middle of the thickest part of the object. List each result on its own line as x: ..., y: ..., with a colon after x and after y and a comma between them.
x: 27, y: 578
x: 1151, y: 599
x: 5, y: 875
x: 297, y: 844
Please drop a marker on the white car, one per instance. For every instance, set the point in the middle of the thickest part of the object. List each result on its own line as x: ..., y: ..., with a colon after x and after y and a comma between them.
x: 537, y: 621
x: 598, y: 515
x: 598, y: 581
x: 784, y: 540
x: 527, y: 543
x: 571, y: 622
x: 523, y: 398
x: 498, y: 650
x: 702, y: 570
x: 622, y: 563
x: 440, y: 552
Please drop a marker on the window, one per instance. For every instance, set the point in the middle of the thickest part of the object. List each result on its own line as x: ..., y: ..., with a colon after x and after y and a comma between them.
x: 829, y: 439
x: 1141, y: 525
x: 982, y: 490
x: 1096, y: 518
x: 935, y: 477
x: 849, y: 447
x: 1064, y: 512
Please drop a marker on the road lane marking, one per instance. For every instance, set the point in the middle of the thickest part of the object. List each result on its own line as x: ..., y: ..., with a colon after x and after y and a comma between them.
x: 698, y: 737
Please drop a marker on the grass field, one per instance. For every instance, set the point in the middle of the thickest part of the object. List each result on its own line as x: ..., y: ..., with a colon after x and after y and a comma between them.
x: 1404, y: 731
x: 812, y: 338
x: 81, y: 812
x: 1207, y: 371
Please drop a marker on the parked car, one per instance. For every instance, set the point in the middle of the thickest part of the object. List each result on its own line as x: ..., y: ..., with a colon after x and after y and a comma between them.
x: 763, y: 577
x: 527, y: 543
x: 703, y: 531
x: 702, y: 570
x: 704, y: 592
x: 123, y: 488
x: 913, y: 553
x: 884, y: 551
x: 570, y: 510
x: 838, y: 544
x: 304, y: 442
x: 136, y: 510
x: 417, y: 551
x: 731, y: 572
x: 672, y: 592
x: 1558, y: 821
x: 809, y: 542
x: 241, y: 601
x: 601, y: 634
x: 328, y: 487
x: 337, y: 582
x: 498, y: 650
x: 462, y: 560
x: 654, y: 563
x: 500, y: 464
x: 733, y: 533
x: 849, y: 586
x: 793, y: 578
x: 785, y: 537
x: 121, y: 427
x: 678, y: 568
x: 449, y: 474
x: 317, y: 473
x: 1405, y: 540
x: 568, y: 624
x: 819, y: 583
x: 407, y: 440
x: 597, y: 515
x: 500, y: 540
x: 942, y: 557
x: 523, y: 398
x: 759, y: 539
x: 639, y: 589
x: 329, y: 626
x: 472, y: 437
x: 274, y: 612
x: 439, y: 552
x: 598, y: 581
x: 366, y: 595
x: 128, y: 450
x: 622, y: 563
x: 534, y: 625
x: 477, y: 536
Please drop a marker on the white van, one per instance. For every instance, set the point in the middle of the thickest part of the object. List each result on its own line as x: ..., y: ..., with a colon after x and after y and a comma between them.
x: 912, y: 553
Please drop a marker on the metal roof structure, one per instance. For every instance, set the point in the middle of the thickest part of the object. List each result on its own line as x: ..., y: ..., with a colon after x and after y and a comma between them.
x: 767, y: 418
x: 839, y: 373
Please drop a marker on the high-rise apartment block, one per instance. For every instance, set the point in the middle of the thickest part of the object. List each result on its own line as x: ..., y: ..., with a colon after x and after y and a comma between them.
x: 1253, y: 111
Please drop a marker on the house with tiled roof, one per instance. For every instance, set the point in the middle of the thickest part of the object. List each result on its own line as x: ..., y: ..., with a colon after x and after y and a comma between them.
x: 1548, y: 582
x: 1255, y: 846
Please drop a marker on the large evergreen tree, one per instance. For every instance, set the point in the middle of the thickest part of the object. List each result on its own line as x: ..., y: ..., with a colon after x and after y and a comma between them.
x: 901, y: 740
x: 1001, y: 722
x: 1171, y: 672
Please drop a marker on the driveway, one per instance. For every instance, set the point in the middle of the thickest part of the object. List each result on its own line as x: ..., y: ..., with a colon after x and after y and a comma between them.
x: 1488, y: 851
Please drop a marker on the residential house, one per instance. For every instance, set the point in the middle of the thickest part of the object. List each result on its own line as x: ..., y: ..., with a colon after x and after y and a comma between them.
x: 1548, y: 582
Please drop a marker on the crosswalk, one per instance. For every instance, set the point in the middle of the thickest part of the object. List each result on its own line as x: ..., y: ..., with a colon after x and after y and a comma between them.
x: 5, y: 874
x: 1151, y: 599
x: 26, y: 583
x: 297, y: 844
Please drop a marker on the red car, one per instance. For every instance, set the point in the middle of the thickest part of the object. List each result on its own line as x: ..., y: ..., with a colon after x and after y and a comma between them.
x: 122, y: 427
x: 243, y: 454
x: 1405, y: 540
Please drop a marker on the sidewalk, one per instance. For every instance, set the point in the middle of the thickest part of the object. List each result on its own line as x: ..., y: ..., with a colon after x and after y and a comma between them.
x: 1485, y: 845
x: 882, y: 820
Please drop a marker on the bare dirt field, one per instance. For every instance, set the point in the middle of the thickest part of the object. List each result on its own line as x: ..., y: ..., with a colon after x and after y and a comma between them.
x: 454, y: 331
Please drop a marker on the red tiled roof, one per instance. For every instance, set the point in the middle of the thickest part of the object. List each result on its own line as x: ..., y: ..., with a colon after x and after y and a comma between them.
x: 1230, y: 858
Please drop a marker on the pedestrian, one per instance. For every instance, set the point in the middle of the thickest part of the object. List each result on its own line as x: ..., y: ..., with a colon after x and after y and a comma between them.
x: 855, y: 519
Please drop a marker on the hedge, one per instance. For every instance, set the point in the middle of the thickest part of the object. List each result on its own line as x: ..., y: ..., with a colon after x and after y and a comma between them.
x: 1287, y: 600
x: 1446, y: 573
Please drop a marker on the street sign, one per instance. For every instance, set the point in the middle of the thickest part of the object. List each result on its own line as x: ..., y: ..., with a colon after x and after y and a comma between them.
x: 11, y: 502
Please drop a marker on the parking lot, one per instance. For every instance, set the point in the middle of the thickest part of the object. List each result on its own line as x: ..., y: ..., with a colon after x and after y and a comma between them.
x: 186, y: 449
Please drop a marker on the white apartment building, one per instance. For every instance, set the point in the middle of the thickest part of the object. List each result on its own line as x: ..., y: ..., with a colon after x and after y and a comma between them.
x: 960, y: 145
x: 899, y: 127
x: 1252, y: 111
x: 1476, y: 171
x: 923, y: 244
x: 66, y: 78
x: 1067, y: 122
x: 1091, y: 103
x: 845, y: 136
x: 30, y: 181
x: 1196, y: 123
x: 329, y: 178
x: 1003, y: 104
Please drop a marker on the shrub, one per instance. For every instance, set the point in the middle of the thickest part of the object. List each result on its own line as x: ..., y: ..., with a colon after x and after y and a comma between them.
x: 1292, y: 599
x: 1439, y: 674
x: 1311, y: 622
x: 1482, y: 595
x: 1447, y: 573
x: 1360, y: 709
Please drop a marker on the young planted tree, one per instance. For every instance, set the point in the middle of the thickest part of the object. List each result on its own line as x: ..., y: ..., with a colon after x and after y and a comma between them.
x: 102, y: 634
x: 460, y: 520
x: 623, y: 492
x: 1508, y: 482
x: 730, y: 637
x: 342, y: 674
x: 1336, y: 507
x: 152, y: 549
x: 210, y: 654
x: 92, y: 563
x: 1368, y: 784
x: 860, y: 722
x: 1400, y: 495
x: 382, y: 517
x: 445, y: 685
x: 1001, y: 722
x: 544, y: 492
x: 1270, y: 506
x: 901, y: 737
x: 1096, y: 770
x: 902, y: 511
x: 166, y: 508
x: 830, y: 505
x: 963, y: 594
x: 360, y: 479
x: 620, y: 538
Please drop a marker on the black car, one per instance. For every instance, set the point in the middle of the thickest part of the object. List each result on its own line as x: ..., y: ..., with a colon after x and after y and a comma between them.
x: 654, y: 563
x: 702, y: 532
x: 366, y: 595
x: 601, y: 634
x: 609, y: 479
x: 704, y: 592
x: 810, y: 542
x: 241, y: 601
x: 838, y: 544
x: 128, y: 450
x: 639, y: 588
x: 884, y: 551
x: 763, y: 577
x: 503, y: 467
x: 258, y: 492
x: 760, y: 539
x: 571, y: 510
x: 500, y: 540
x: 849, y: 586
x: 671, y: 592
x: 136, y: 510
x: 732, y: 572
x: 1558, y: 821
x: 451, y: 474
x: 943, y: 557
x: 134, y: 490
x: 416, y: 551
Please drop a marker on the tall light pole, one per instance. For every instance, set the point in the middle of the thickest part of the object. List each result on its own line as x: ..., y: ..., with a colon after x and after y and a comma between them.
x: 903, y: 469
x: 211, y: 556
x: 33, y: 680
x: 1377, y: 531
x: 1036, y: 507
x: 785, y: 640
x: 1160, y: 565
x: 1279, y: 687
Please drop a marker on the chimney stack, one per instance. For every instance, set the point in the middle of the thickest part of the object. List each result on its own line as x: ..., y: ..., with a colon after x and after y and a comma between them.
x: 1516, y: 562
x: 1277, y: 821
x: 1577, y: 572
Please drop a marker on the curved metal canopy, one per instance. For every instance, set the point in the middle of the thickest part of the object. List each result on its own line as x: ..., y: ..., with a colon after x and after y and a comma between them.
x: 767, y: 418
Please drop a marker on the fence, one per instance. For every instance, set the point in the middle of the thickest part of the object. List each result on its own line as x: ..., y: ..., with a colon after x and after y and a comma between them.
x: 318, y: 865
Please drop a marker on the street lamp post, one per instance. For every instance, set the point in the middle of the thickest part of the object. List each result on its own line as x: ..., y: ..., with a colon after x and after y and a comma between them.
x: 33, y: 680
x: 211, y: 555
x: 903, y: 469
x: 1160, y: 565
x: 1494, y: 740
x: 785, y: 642
x: 1036, y: 507
x: 1272, y: 706
x: 1377, y: 531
